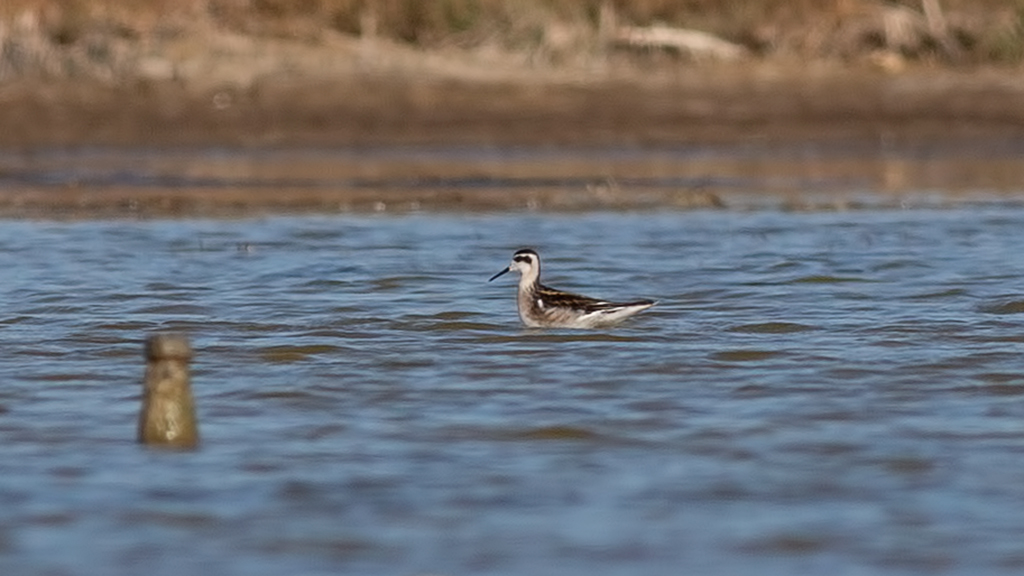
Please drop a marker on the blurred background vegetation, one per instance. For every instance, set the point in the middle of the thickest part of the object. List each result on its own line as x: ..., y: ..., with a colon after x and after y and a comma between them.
x: 108, y: 38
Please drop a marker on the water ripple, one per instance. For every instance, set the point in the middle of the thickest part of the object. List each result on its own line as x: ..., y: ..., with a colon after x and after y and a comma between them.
x: 1013, y: 306
x: 772, y: 328
x: 825, y: 389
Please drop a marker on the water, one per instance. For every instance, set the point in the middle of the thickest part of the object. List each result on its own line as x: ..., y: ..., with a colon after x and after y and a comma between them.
x: 816, y: 393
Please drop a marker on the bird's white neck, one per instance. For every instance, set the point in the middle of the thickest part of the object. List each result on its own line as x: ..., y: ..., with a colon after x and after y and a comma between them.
x: 528, y: 278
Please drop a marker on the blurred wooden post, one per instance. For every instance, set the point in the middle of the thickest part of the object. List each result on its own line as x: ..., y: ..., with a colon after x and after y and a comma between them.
x: 168, y: 417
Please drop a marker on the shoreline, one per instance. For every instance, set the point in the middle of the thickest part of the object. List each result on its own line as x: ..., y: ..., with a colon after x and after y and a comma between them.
x: 905, y: 126
x: 704, y: 104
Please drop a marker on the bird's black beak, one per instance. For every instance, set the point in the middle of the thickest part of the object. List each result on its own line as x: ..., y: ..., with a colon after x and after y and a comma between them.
x: 500, y: 273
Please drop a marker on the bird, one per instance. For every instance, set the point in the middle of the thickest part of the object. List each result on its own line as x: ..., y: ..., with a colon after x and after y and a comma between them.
x: 543, y: 307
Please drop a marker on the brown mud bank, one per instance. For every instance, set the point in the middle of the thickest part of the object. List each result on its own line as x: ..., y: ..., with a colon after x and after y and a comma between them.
x: 702, y: 104
x: 702, y: 136
x: 219, y: 107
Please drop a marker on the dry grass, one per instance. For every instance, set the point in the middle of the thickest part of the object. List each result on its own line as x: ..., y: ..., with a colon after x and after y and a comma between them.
x: 114, y: 39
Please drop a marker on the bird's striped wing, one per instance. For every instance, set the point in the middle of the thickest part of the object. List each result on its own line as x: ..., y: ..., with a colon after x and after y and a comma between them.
x: 585, y: 304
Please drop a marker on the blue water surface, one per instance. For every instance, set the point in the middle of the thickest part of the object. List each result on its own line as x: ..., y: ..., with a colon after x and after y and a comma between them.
x: 816, y: 393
